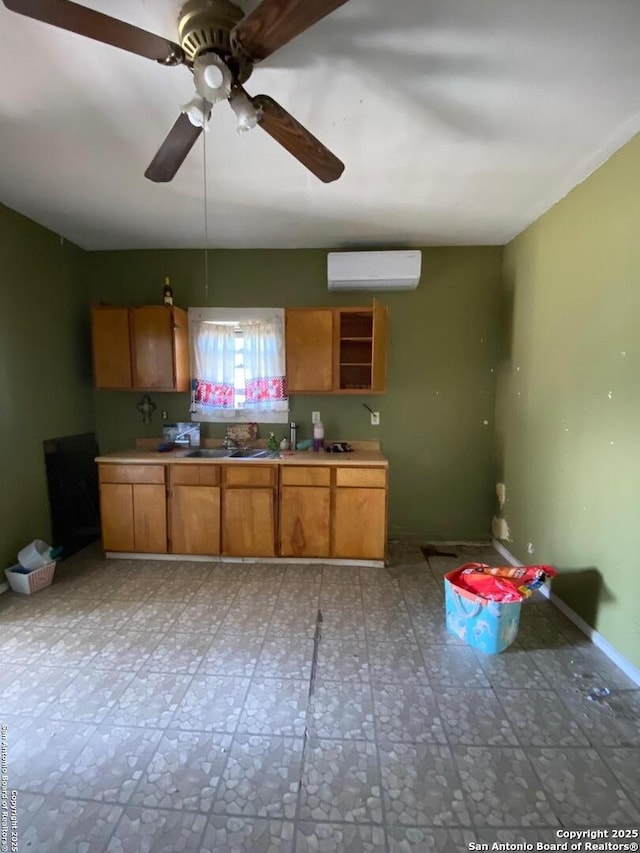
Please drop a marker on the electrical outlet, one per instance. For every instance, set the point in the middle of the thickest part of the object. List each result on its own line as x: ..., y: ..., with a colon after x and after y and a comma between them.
x: 375, y: 418
x: 165, y: 415
x: 315, y: 417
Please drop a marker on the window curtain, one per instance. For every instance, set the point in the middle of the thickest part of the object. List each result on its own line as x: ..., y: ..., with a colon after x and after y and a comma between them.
x: 213, y: 360
x: 264, y: 365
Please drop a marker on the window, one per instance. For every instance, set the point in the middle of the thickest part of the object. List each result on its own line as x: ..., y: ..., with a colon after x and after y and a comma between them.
x: 238, y: 365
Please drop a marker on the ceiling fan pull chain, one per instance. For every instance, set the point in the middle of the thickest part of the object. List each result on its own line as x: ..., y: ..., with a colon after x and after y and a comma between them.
x: 206, y: 217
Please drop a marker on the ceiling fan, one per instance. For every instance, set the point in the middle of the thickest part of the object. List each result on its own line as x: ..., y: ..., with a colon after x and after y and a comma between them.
x: 220, y: 45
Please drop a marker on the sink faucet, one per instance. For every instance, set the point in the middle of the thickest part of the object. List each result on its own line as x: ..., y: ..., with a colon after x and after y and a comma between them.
x: 233, y: 444
x: 184, y: 438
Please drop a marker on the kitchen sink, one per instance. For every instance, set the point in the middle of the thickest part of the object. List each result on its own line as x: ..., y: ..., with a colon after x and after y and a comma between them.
x: 210, y: 453
x: 223, y: 453
x: 251, y: 454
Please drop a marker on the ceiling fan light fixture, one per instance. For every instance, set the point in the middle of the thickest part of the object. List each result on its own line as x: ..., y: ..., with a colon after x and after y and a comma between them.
x: 247, y: 114
x: 212, y: 78
x: 198, y: 111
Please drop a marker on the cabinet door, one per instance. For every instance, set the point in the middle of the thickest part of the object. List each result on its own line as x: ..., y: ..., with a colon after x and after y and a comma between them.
x: 116, y: 513
x: 180, y: 331
x: 305, y: 521
x: 309, y: 349
x: 111, y: 355
x: 150, y: 518
x: 380, y: 337
x: 152, y: 348
x: 248, y: 522
x: 195, y: 520
x: 360, y: 523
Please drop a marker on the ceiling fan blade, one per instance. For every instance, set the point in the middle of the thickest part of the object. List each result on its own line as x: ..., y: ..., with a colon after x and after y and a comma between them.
x: 276, y: 22
x: 171, y: 154
x: 95, y: 25
x: 298, y: 141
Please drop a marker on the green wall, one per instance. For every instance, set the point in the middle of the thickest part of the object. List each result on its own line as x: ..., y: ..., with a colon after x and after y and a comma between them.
x: 443, y: 350
x: 45, y: 378
x: 568, y: 425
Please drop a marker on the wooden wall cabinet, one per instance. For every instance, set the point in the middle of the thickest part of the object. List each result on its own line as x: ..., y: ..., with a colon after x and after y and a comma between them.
x: 309, y: 350
x: 143, y: 349
x: 111, y: 348
x: 249, y: 510
x: 194, y: 509
x: 336, y: 350
x: 133, y: 507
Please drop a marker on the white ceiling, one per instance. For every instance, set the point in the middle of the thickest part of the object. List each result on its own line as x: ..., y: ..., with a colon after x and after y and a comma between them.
x: 459, y: 122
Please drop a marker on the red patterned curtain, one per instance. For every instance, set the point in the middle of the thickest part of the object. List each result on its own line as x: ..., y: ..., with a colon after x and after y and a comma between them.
x: 264, y: 365
x: 213, y: 348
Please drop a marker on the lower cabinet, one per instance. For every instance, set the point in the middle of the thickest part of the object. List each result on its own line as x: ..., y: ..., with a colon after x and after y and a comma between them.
x: 249, y: 511
x: 360, y: 514
x: 134, y: 517
x: 248, y: 523
x: 194, y: 509
x: 305, y: 514
x: 305, y: 511
x: 233, y: 509
x: 360, y: 524
x: 116, y: 509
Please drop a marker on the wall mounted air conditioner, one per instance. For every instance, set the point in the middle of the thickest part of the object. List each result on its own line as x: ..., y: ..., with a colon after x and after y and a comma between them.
x: 396, y: 270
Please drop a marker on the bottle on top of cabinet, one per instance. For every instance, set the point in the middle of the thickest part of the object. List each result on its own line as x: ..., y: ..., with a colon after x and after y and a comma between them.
x: 167, y: 295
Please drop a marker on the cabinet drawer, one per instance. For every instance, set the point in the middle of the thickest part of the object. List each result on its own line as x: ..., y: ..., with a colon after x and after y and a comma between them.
x: 194, y: 475
x: 249, y: 475
x: 298, y: 475
x: 372, y: 478
x: 132, y: 474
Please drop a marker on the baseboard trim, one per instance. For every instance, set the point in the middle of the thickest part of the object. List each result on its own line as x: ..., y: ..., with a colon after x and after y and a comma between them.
x: 3, y: 587
x: 268, y: 561
x: 413, y: 539
x: 596, y: 637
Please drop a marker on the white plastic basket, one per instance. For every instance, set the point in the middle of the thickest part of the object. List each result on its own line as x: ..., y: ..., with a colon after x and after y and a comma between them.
x: 31, y: 582
x: 35, y: 555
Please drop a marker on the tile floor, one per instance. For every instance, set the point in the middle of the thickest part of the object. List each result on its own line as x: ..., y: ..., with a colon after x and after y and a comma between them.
x: 199, y: 707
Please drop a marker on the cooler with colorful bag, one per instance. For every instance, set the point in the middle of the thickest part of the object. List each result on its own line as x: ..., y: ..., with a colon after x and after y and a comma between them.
x: 482, y: 602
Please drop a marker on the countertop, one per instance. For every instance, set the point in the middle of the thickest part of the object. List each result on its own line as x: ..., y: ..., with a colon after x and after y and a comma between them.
x: 144, y: 456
